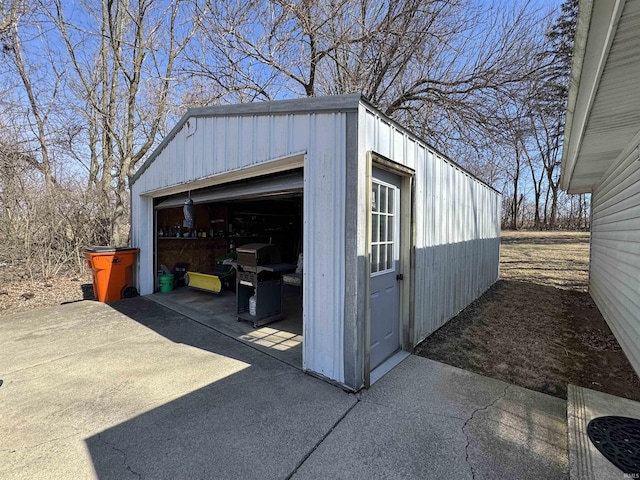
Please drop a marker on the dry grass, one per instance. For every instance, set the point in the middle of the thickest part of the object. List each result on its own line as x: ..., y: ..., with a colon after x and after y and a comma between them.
x: 557, y: 259
x: 537, y: 327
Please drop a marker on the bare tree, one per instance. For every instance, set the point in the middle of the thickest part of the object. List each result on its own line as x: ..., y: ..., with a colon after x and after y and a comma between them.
x: 123, y: 66
x: 41, y: 231
x: 41, y: 90
x: 513, y: 173
x: 551, y: 104
x: 573, y: 211
x: 537, y: 177
x: 547, y: 143
x: 9, y: 13
x: 436, y: 65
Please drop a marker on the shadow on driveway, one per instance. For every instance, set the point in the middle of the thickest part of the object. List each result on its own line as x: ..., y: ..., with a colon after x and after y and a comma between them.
x: 257, y: 419
x: 135, y: 390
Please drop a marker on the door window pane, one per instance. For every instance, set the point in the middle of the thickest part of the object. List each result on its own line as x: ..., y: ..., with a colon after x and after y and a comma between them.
x: 375, y: 227
x: 374, y: 258
x: 374, y: 198
x: 384, y: 198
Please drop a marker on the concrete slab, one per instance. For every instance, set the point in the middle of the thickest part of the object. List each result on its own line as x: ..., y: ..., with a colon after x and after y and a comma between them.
x: 583, y: 405
x: 281, y: 339
x: 136, y: 390
x: 428, y: 420
x: 133, y: 389
x: 30, y: 338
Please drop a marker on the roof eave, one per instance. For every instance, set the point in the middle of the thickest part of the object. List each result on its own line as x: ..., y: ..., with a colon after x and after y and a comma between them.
x: 595, y: 29
x: 579, y: 48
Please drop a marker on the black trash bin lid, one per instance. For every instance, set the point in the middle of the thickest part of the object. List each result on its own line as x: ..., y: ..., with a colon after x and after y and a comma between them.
x: 106, y: 249
x: 618, y: 439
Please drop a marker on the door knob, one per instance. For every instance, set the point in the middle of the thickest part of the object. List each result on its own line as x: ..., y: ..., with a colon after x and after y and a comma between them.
x: 399, y: 277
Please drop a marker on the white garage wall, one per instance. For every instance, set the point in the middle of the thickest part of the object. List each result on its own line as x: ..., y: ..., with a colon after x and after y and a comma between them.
x: 324, y: 250
x: 142, y: 222
x: 222, y: 144
x: 457, y: 226
x: 457, y: 217
x: 615, y: 253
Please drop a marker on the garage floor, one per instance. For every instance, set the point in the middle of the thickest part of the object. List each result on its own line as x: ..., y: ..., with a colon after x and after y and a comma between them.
x: 281, y: 339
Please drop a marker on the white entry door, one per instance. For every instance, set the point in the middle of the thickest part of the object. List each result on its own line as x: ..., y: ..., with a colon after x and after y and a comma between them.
x: 385, y: 266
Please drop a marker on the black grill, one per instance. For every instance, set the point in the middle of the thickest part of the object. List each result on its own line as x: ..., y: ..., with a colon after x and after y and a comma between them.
x: 259, y: 282
x: 618, y: 439
x: 248, y: 278
x: 255, y: 254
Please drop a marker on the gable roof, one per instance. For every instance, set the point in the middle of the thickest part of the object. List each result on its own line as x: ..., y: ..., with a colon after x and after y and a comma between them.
x: 333, y: 103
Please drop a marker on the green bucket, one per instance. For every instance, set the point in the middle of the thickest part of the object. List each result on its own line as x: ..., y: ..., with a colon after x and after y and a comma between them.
x: 166, y: 282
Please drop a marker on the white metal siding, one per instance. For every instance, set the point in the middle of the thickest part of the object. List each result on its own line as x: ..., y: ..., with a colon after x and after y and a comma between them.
x: 226, y: 144
x: 232, y: 143
x: 615, y: 254
x: 457, y: 226
x: 141, y: 224
x: 457, y: 217
x: 324, y: 256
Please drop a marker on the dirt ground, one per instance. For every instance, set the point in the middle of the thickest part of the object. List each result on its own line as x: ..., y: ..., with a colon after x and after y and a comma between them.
x: 19, y: 292
x: 537, y: 327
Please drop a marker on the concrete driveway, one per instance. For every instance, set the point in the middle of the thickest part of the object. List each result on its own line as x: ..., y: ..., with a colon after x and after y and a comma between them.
x: 134, y: 390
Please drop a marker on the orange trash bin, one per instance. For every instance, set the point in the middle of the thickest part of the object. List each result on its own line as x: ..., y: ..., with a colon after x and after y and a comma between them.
x: 111, y: 268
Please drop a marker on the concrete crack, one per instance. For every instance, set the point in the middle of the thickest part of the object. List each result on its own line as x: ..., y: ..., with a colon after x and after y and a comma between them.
x: 486, y: 407
x: 324, y: 437
x: 121, y: 452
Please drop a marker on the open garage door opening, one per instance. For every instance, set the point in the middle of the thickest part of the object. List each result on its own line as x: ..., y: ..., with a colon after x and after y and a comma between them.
x: 237, y: 267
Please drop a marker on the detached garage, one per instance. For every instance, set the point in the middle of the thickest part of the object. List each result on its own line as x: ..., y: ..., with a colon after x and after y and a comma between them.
x: 392, y: 238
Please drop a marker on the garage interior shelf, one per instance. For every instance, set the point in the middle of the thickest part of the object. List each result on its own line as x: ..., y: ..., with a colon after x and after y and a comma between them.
x: 229, y: 224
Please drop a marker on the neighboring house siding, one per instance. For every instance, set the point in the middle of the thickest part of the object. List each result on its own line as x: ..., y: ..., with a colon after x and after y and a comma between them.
x: 222, y: 144
x: 457, y: 239
x: 615, y: 254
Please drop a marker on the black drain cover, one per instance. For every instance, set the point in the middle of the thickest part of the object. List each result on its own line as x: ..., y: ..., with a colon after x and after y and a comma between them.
x: 618, y: 439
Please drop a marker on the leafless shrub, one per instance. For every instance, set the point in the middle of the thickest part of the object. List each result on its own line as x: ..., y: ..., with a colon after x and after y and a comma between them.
x: 42, y: 231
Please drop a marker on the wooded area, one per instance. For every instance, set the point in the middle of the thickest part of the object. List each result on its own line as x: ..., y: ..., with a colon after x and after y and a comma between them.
x: 89, y: 88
